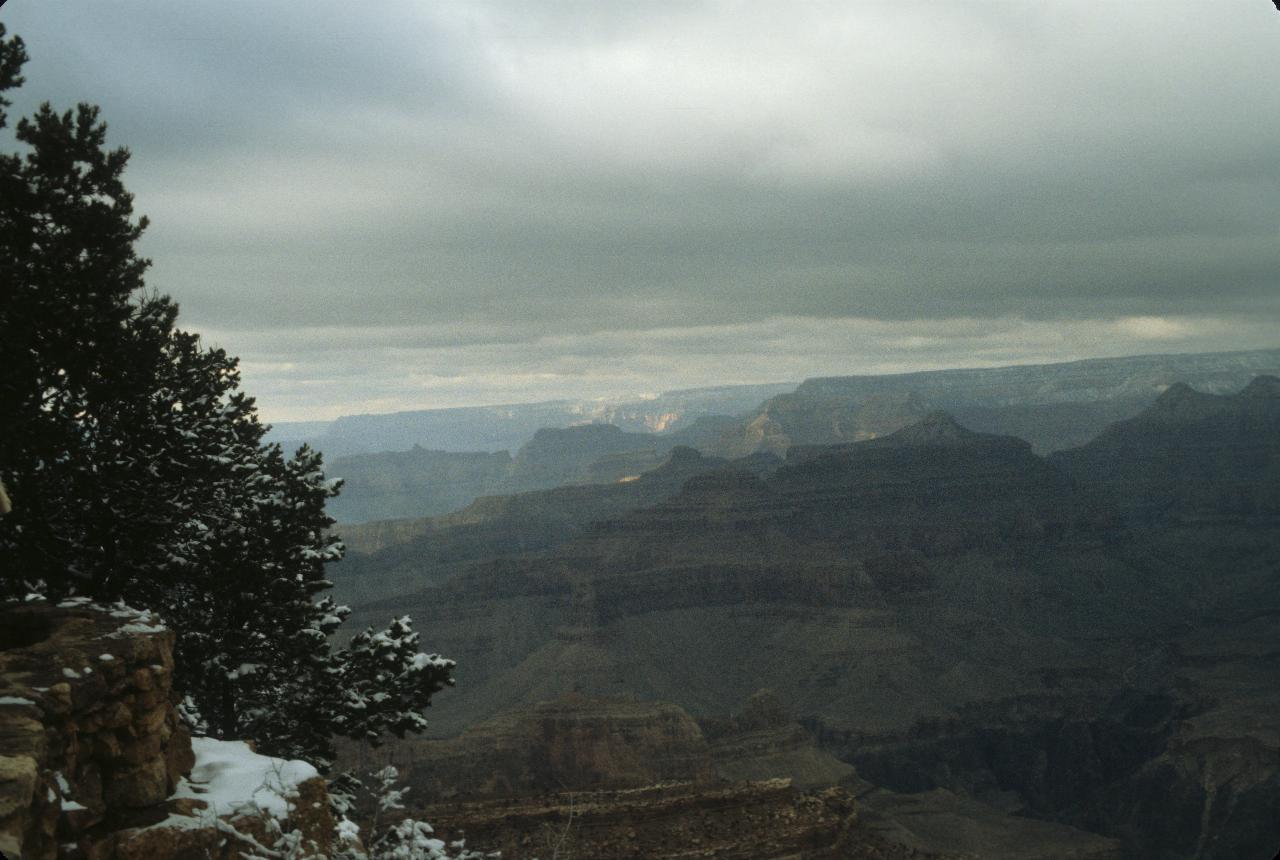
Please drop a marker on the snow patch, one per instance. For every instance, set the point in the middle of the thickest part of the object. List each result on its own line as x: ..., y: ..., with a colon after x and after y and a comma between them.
x: 348, y: 830
x: 422, y: 661
x: 228, y: 775
x: 140, y: 620
x: 139, y: 628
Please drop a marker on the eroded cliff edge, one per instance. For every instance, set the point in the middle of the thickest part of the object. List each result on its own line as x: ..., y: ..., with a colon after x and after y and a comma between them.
x: 95, y: 761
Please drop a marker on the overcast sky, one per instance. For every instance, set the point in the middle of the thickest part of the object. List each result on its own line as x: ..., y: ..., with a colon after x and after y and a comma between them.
x: 395, y: 205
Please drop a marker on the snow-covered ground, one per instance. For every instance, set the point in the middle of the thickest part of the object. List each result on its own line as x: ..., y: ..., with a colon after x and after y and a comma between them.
x: 228, y: 775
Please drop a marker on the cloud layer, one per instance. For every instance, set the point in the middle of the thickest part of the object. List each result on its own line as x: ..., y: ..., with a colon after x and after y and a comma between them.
x: 414, y: 204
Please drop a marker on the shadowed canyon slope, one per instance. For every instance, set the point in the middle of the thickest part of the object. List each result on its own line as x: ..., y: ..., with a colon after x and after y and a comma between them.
x: 392, y: 557
x: 1192, y: 453
x: 945, y: 609
x: 420, y: 483
x: 1052, y: 406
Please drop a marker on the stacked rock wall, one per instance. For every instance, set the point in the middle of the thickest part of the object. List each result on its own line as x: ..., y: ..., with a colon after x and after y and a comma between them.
x: 89, y: 740
x: 96, y: 765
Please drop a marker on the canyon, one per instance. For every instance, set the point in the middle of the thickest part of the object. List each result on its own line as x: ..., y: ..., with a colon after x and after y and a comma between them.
x: 933, y: 642
x: 979, y: 631
x: 414, y: 465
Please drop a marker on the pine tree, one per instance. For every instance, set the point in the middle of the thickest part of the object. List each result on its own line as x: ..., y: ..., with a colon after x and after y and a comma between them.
x: 138, y: 469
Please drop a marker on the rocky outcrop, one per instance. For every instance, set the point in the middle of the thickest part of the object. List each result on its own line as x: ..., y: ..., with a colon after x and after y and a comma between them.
x: 767, y: 820
x: 573, y: 743
x: 609, y: 779
x: 763, y: 741
x: 576, y: 743
x: 88, y: 735
x: 798, y: 419
x: 95, y: 762
x: 235, y: 804
x: 565, y: 456
x: 580, y: 778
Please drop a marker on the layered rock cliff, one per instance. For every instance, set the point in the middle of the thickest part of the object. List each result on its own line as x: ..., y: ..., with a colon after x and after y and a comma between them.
x: 597, y: 778
x: 743, y: 821
x: 573, y: 743
x: 96, y: 763
x: 579, y: 743
x: 88, y: 734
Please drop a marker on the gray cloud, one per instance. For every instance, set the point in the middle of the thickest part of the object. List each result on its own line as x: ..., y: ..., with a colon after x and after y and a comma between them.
x: 622, y: 181
x: 387, y: 369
